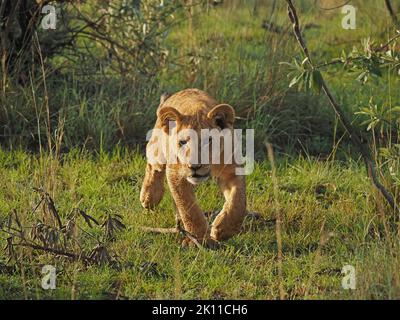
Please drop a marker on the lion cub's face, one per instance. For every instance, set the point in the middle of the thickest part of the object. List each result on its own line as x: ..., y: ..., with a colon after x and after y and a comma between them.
x: 193, y: 150
x: 194, y: 139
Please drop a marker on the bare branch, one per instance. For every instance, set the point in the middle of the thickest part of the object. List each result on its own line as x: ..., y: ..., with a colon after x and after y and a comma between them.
x: 354, y: 136
x: 391, y: 12
x: 176, y: 229
x: 55, y: 251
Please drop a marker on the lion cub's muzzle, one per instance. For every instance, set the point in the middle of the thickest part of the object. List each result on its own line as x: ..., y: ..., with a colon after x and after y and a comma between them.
x: 198, y: 173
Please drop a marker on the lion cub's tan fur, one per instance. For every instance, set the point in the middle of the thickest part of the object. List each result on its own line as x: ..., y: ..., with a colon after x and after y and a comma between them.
x: 196, y: 110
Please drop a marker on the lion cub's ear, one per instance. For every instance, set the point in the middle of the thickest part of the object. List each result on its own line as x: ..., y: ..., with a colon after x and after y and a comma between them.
x: 223, y: 114
x: 167, y: 115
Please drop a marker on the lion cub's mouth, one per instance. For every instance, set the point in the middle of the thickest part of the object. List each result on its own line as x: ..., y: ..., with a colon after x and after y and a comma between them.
x: 197, y: 178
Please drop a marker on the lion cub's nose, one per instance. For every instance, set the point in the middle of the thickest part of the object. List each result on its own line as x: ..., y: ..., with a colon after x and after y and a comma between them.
x: 194, y: 167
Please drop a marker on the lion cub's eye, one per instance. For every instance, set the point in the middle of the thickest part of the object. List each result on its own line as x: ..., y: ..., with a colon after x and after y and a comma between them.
x: 182, y: 143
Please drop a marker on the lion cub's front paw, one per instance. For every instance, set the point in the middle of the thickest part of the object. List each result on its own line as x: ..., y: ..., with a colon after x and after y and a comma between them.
x: 212, y: 244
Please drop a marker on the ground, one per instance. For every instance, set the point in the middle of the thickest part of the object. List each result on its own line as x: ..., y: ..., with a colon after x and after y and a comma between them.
x: 329, y: 221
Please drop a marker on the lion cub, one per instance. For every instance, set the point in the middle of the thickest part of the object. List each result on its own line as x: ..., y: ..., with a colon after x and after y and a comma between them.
x: 186, y: 155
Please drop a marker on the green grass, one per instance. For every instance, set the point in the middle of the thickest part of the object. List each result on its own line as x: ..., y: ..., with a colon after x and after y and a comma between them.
x: 312, y: 194
x: 226, y: 53
x: 331, y: 214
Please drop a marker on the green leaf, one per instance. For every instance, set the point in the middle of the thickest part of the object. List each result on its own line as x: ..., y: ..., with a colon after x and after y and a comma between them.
x: 316, y: 81
x: 363, y: 77
x: 295, y: 80
x: 395, y: 109
x: 304, y: 61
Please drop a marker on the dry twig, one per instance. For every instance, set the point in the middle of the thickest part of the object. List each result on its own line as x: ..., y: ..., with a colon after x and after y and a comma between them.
x: 278, y: 225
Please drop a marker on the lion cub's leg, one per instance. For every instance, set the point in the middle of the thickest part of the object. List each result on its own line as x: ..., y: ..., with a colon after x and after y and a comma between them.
x: 189, y: 211
x: 153, y: 186
x: 229, y: 221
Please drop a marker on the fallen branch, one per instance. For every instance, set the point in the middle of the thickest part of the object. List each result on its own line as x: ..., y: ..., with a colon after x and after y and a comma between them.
x: 55, y: 251
x: 160, y: 230
x: 176, y: 229
x: 371, y: 169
